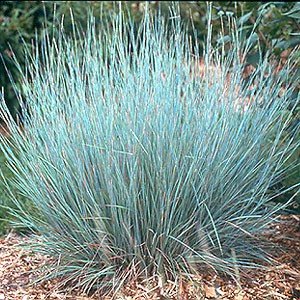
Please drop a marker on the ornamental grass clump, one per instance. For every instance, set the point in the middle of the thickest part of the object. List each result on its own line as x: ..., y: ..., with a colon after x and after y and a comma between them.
x: 136, y: 164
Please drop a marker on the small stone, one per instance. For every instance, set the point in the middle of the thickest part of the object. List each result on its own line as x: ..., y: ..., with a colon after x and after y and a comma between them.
x: 239, y: 296
x: 210, y: 291
x: 5, y: 282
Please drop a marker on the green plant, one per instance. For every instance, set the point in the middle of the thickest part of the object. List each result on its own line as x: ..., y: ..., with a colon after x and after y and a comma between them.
x: 3, y: 210
x: 7, y: 189
x: 275, y: 24
x: 136, y: 164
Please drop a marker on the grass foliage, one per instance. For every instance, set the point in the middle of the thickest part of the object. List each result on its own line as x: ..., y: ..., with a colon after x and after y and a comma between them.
x: 136, y: 164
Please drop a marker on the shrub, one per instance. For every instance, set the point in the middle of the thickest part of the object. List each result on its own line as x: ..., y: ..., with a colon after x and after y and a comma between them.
x: 137, y: 164
x: 274, y: 23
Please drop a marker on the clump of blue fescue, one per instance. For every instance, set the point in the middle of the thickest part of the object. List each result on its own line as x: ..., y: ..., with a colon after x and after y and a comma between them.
x: 137, y: 162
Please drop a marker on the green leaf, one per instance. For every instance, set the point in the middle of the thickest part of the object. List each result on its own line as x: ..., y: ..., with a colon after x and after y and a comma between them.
x: 294, y: 11
x: 224, y: 39
x: 285, y: 44
x: 253, y: 39
x: 244, y: 19
x: 295, y: 15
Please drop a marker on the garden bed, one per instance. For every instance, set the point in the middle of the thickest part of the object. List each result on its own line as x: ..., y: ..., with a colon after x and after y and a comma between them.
x: 18, y: 269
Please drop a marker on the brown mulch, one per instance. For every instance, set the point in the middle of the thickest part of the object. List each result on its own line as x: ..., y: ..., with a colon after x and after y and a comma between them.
x: 18, y: 268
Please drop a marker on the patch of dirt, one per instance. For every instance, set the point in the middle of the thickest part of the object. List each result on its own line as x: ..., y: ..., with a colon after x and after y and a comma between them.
x: 18, y: 268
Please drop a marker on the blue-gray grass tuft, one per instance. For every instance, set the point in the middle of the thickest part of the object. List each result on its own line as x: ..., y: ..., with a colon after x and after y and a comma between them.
x: 138, y: 163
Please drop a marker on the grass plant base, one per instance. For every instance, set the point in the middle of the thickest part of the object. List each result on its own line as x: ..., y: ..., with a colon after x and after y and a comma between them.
x: 18, y: 268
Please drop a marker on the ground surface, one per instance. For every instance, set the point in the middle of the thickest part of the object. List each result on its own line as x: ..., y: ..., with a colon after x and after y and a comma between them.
x: 18, y: 269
